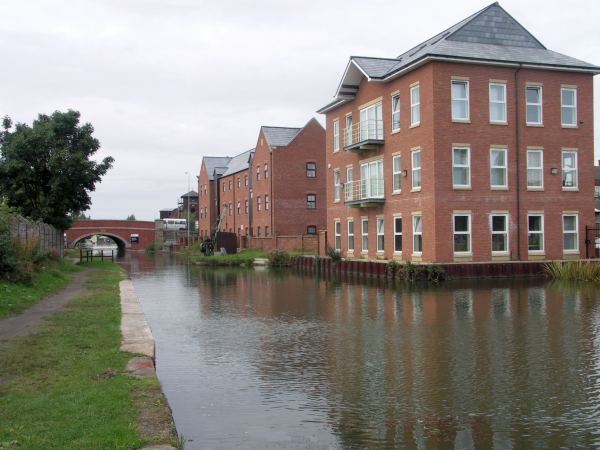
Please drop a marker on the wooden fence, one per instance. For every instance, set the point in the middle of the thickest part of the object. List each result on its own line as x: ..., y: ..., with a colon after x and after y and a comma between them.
x: 30, y: 233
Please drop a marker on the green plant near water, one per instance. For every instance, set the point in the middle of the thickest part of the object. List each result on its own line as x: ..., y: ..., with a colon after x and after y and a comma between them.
x: 334, y: 255
x: 587, y: 271
x: 411, y: 273
x: 391, y: 268
x: 279, y: 258
x: 242, y: 258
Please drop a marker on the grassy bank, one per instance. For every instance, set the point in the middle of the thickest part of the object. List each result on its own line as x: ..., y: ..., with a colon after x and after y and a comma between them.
x: 245, y: 258
x: 62, y: 388
x: 16, y: 297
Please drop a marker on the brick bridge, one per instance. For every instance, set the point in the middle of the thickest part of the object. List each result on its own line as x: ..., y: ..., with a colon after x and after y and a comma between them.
x: 123, y: 232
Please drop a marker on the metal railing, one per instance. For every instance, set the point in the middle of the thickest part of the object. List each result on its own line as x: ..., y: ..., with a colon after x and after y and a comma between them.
x: 363, y: 131
x: 360, y: 190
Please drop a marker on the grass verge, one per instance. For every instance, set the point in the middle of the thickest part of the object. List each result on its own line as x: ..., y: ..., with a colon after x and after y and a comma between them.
x: 62, y: 388
x: 16, y: 297
x: 242, y: 258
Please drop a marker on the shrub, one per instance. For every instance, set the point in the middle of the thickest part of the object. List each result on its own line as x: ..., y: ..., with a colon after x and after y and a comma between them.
x: 390, y: 270
x: 279, y: 258
x: 410, y: 273
x: 334, y: 255
x: 587, y: 271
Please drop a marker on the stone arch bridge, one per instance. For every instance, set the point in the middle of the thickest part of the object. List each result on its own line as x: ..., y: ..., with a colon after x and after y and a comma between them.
x: 130, y: 234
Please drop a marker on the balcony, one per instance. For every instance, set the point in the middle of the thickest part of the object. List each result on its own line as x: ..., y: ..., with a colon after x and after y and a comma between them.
x: 366, y: 135
x: 364, y: 193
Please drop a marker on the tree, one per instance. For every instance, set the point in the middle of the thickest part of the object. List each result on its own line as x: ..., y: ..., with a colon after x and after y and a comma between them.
x: 79, y: 216
x: 130, y: 217
x: 45, y: 169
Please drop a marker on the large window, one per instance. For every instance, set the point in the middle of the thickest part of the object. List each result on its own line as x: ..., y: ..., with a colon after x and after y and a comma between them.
x: 535, y: 233
x: 371, y: 179
x: 246, y: 180
x: 497, y: 102
x: 311, y: 201
x: 569, y: 169
x: 533, y: 105
x: 416, y: 169
x: 460, y: 100
x: 371, y: 122
x: 498, y: 168
x: 337, y: 185
x: 258, y: 203
x: 535, y: 173
x: 461, y: 167
x: 570, y: 234
x: 568, y: 107
x: 380, y: 234
x: 349, y: 179
x: 348, y: 131
x: 336, y: 135
x: 396, y: 173
x: 350, y: 235
x: 239, y: 208
x: 397, y: 234
x: 415, y: 106
x: 246, y: 206
x: 364, y: 231
x: 337, y: 228
x: 462, y: 233
x: 311, y: 170
x: 230, y: 184
x: 257, y: 173
x: 417, y: 228
x: 266, y: 202
x: 395, y: 112
x: 239, y: 182
x: 499, y: 227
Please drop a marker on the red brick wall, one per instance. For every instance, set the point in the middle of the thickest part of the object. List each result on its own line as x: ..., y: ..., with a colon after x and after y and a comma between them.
x: 262, y: 187
x: 231, y: 195
x: 205, y: 200
x: 307, y: 244
x: 119, y: 229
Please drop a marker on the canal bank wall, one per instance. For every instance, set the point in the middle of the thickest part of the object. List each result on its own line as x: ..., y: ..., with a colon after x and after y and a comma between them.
x: 372, y: 268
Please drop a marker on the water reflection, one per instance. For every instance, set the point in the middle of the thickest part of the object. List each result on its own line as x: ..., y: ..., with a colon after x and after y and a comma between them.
x: 275, y: 359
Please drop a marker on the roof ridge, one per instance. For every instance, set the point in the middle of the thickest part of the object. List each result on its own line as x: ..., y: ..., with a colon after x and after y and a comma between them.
x: 287, y: 128
x: 373, y: 57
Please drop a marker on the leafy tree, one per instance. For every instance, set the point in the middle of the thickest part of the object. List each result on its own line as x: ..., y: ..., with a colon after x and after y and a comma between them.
x: 45, y: 169
x: 130, y: 217
x: 79, y: 216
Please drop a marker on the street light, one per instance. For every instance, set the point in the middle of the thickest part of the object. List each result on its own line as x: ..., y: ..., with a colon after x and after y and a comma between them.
x: 188, y: 210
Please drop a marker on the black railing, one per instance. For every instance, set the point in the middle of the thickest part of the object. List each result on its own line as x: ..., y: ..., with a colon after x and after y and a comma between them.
x: 88, y: 254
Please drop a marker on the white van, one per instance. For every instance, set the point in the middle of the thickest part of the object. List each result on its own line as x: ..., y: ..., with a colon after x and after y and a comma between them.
x: 175, y: 224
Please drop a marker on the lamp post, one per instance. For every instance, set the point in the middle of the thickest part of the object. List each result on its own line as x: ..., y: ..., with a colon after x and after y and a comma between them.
x: 188, y: 209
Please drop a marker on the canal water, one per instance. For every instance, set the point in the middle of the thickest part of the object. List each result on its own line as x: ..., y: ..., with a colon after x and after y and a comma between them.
x: 266, y: 360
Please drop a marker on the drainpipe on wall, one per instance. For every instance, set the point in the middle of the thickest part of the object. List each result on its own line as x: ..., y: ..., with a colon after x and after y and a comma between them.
x: 518, y: 151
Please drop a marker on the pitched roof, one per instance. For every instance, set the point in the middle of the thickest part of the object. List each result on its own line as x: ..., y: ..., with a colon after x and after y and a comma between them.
x: 238, y: 163
x: 190, y: 194
x: 490, y: 35
x: 279, y: 136
x: 214, y: 162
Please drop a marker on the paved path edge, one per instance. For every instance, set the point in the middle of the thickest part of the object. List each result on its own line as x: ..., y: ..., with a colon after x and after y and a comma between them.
x: 135, y: 332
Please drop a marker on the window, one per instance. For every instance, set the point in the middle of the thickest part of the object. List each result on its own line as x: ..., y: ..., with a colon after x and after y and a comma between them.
x: 460, y: 100
x: 499, y: 227
x: 258, y: 202
x: 380, y: 234
x: 497, y: 102
x: 417, y: 226
x: 535, y: 232
x: 364, y: 231
x: 266, y: 171
x: 371, y: 122
x: 337, y: 230
x: 570, y: 234
x: 415, y: 106
x: 462, y: 233
x: 569, y: 169
x: 311, y: 201
x: 533, y: 105
x: 246, y: 206
x: 223, y: 186
x: 239, y: 208
x: 568, y: 107
x: 266, y: 202
x: 258, y: 231
x: 498, y: 168
x: 230, y: 184
x: 461, y: 170
x: 348, y: 131
x: 230, y: 209
x: 246, y: 180
x: 371, y: 180
x: 395, y: 112
x: 398, y: 234
x: 311, y: 170
x: 239, y: 183
x: 266, y: 231
x: 535, y: 174
x: 257, y: 173
x: 349, y: 178
x: 350, y: 235
x: 416, y: 170
x: 396, y: 173
x: 336, y: 185
x: 336, y: 135
x: 311, y: 229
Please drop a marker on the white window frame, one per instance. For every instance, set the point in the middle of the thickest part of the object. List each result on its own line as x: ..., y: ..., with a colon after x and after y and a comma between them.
x: 350, y: 235
x: 465, y: 100
x: 416, y: 234
x: 336, y: 135
x: 395, y: 107
x: 491, y: 102
x: 348, y: 130
x: 416, y: 169
x: 575, y: 232
x: 266, y: 202
x: 364, y: 235
x: 266, y: 171
x: 349, y: 179
x: 538, y: 105
x: 504, y: 168
x: 258, y: 173
x: 529, y: 232
x: 461, y: 166
x: 337, y: 231
x: 258, y: 204
x: 337, y: 185
x: 573, y: 106
x: 565, y: 171
x: 415, y: 105
x: 396, y: 234
x: 371, y: 128
x: 467, y: 233
x: 396, y: 174
x: 540, y: 169
x: 499, y: 233
x: 380, y: 230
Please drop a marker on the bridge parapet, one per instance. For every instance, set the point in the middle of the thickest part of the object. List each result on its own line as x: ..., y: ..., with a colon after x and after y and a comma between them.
x: 133, y: 234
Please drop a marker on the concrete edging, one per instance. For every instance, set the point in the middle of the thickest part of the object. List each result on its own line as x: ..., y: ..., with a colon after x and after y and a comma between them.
x: 135, y: 332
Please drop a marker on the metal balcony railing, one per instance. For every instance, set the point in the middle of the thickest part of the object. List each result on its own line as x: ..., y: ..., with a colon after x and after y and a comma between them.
x: 365, y: 132
x: 364, y: 191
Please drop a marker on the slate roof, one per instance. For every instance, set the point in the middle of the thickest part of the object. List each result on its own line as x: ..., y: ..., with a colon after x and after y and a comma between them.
x: 213, y: 162
x: 488, y: 35
x: 279, y: 136
x: 238, y: 163
x: 190, y: 194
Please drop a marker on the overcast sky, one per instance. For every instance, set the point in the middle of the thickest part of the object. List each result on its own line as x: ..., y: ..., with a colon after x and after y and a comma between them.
x: 166, y: 82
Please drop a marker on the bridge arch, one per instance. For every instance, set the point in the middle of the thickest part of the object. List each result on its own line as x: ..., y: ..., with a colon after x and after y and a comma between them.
x: 121, y: 242
x: 128, y: 234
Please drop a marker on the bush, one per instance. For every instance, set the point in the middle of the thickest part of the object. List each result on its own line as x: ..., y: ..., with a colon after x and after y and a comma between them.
x: 390, y: 270
x: 334, y: 255
x: 410, y: 273
x: 278, y: 258
x: 587, y: 271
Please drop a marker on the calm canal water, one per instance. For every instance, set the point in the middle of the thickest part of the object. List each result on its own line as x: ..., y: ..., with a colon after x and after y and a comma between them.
x: 258, y: 360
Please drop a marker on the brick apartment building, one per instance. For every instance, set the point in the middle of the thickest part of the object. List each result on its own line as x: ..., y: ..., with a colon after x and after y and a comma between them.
x: 278, y: 188
x: 475, y: 145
